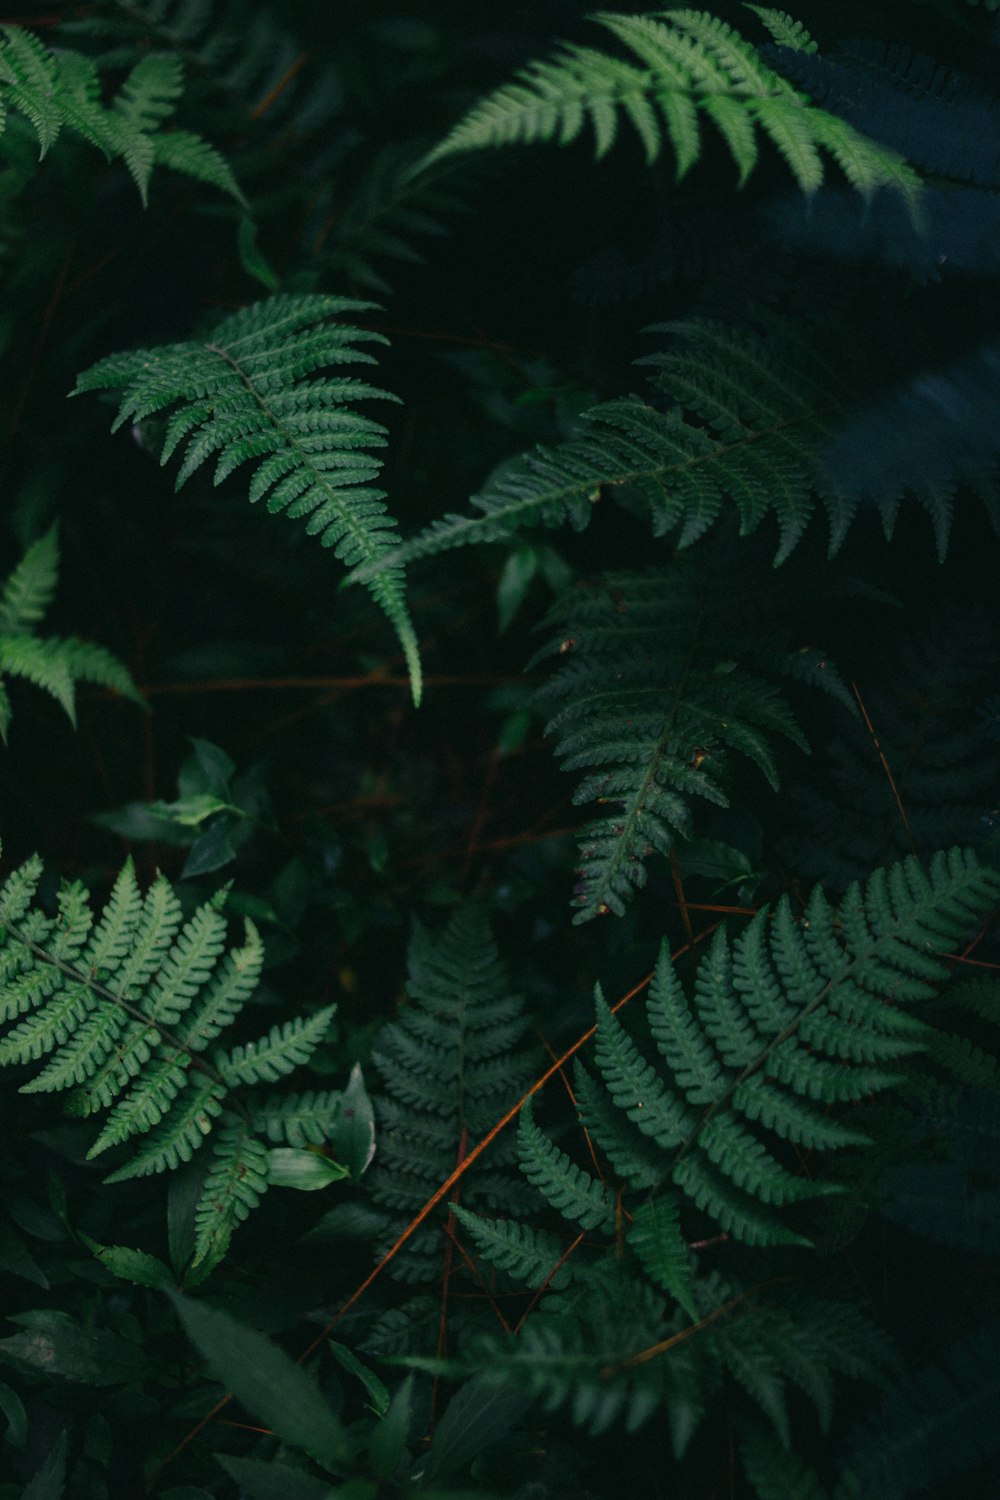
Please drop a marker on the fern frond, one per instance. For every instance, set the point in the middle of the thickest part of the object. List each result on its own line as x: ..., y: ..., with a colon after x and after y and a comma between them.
x: 57, y: 91
x: 685, y: 66
x: 748, y: 421
x: 451, y: 1064
x: 245, y: 394
x: 122, y: 1008
x: 647, y: 707
x: 740, y: 1047
x: 29, y: 588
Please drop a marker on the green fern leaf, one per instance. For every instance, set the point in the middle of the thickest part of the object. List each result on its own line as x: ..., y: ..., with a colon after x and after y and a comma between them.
x: 688, y: 65
x: 451, y: 1065
x: 533, y: 1256
x: 243, y: 394
x: 287, y: 1046
x: 29, y: 589
x: 577, y: 1196
x: 30, y: 81
x: 642, y: 705
x: 784, y: 31
x: 63, y: 90
x: 656, y: 1238
x: 788, y: 1012
x: 297, y: 1119
x: 235, y: 1184
x: 122, y: 1007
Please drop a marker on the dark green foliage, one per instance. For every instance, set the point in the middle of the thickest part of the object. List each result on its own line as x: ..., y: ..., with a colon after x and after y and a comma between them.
x: 679, y: 1173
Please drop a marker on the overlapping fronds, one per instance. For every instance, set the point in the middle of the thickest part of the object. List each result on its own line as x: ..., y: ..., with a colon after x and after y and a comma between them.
x: 248, y: 392
x: 787, y: 1026
x: 122, y: 1011
x: 651, y: 704
x: 62, y: 90
x: 686, y: 67
x: 54, y: 663
x: 450, y: 1065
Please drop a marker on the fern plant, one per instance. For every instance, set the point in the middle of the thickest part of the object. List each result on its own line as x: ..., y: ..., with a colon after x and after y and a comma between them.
x: 242, y: 393
x: 788, y: 1022
x: 55, y: 664
x: 58, y: 91
x: 649, y: 702
x: 125, y: 1009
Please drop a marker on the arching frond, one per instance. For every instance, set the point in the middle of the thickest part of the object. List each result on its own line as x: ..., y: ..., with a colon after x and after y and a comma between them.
x: 244, y: 394
x: 686, y: 67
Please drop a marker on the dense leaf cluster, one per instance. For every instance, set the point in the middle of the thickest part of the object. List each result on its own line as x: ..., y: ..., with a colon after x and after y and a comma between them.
x: 537, y: 1036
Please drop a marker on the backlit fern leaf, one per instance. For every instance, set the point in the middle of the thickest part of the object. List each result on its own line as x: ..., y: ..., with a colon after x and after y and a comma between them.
x: 123, y: 1012
x: 686, y: 66
x: 248, y: 393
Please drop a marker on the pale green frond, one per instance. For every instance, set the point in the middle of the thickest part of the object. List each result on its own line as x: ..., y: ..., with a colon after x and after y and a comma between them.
x: 692, y: 65
x: 784, y: 31
x: 29, y: 81
x: 43, y: 662
x: 244, y: 395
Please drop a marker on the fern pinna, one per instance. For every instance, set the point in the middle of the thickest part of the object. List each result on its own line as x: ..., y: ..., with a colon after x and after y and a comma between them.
x: 242, y: 393
x: 787, y: 1027
x: 125, y: 1010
